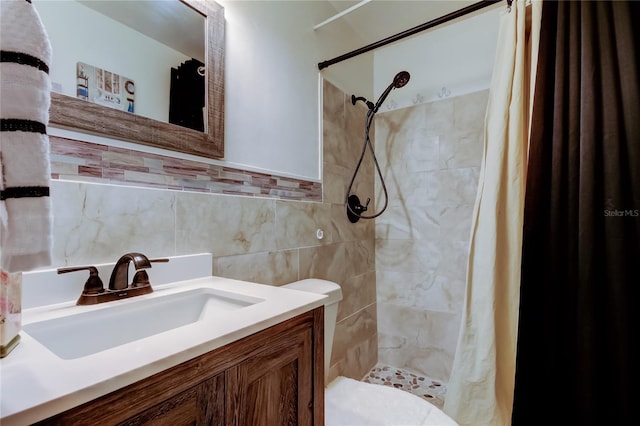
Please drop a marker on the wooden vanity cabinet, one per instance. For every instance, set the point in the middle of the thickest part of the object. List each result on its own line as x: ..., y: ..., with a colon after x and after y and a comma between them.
x: 271, y: 378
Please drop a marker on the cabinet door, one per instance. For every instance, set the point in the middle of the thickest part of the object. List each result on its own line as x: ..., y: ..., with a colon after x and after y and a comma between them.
x: 201, y: 405
x: 275, y: 386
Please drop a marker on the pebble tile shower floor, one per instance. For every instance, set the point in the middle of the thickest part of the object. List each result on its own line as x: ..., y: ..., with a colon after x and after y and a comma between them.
x: 432, y: 390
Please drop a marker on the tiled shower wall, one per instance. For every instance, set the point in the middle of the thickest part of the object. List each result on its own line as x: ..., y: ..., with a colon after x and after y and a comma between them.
x: 264, y: 237
x: 430, y: 155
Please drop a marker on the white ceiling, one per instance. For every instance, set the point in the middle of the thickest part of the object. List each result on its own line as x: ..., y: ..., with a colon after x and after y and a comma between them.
x: 379, y: 19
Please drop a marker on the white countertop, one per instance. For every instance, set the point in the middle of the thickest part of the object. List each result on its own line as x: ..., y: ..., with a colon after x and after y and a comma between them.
x: 36, y: 384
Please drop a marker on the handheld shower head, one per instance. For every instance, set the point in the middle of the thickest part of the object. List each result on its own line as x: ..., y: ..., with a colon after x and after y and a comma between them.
x: 400, y: 80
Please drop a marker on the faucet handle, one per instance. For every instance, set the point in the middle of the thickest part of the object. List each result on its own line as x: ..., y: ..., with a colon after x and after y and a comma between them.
x: 141, y: 278
x: 93, y: 285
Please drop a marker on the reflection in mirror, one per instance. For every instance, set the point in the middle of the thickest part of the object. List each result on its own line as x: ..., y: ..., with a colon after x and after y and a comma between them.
x: 111, y: 80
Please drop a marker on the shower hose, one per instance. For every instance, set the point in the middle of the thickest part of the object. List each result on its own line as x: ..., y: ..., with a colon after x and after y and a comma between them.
x: 367, y: 143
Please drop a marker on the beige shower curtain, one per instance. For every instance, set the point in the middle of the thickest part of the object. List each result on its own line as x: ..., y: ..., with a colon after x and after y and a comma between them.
x: 481, y: 385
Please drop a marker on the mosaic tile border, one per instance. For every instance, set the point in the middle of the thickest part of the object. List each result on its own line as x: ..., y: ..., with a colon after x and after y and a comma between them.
x: 431, y: 390
x: 93, y: 162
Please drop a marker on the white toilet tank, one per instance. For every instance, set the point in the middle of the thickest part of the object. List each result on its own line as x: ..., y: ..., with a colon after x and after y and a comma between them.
x: 334, y: 293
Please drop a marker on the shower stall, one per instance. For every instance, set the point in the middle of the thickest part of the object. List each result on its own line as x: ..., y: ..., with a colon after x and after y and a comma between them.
x: 422, y: 146
x: 430, y: 155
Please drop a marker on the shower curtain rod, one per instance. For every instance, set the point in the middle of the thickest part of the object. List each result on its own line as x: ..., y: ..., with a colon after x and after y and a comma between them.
x: 411, y: 31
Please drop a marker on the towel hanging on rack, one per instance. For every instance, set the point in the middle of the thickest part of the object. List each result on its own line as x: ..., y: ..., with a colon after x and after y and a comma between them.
x: 25, y: 207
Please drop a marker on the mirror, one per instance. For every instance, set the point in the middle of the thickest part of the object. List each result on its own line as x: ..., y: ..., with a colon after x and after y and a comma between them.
x: 92, y: 116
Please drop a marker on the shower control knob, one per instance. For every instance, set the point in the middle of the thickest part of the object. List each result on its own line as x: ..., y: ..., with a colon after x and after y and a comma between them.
x: 355, y: 209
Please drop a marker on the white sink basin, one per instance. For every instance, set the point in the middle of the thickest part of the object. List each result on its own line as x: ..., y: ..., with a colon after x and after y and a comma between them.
x: 117, y: 323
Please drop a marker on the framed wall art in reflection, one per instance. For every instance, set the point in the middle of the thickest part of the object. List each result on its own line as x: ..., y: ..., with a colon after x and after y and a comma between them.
x: 104, y: 87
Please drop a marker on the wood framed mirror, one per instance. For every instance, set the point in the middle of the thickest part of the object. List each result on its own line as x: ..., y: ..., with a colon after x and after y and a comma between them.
x: 87, y: 117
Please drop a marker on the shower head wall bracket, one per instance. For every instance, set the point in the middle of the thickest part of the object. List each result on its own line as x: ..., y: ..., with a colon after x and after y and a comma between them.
x: 355, y: 99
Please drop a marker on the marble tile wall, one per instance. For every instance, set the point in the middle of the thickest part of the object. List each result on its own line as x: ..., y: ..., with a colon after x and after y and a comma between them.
x: 253, y: 237
x: 349, y: 259
x: 430, y: 155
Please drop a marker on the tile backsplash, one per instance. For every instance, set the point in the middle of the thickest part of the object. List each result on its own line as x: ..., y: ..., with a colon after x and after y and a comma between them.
x: 93, y: 162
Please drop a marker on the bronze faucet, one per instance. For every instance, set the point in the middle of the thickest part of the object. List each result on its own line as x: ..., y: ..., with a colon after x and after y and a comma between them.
x: 119, y: 287
x: 120, y: 274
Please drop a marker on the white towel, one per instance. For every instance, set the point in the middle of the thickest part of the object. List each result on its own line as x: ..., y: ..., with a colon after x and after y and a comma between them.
x: 25, y: 206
